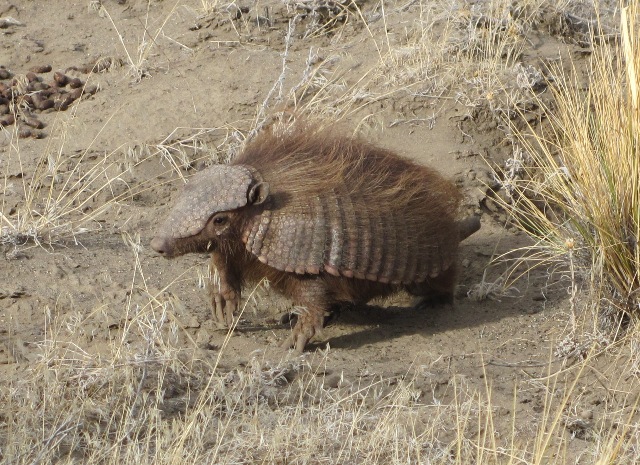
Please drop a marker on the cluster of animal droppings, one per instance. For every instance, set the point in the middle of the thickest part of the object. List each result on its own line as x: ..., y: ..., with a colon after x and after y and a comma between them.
x: 23, y: 96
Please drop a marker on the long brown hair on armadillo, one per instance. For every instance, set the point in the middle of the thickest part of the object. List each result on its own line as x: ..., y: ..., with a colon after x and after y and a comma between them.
x: 342, y: 205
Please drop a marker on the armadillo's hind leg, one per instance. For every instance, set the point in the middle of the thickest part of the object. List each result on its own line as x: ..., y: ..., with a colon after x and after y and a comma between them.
x: 330, y: 317
x: 310, y: 323
x: 435, y: 291
x: 311, y: 299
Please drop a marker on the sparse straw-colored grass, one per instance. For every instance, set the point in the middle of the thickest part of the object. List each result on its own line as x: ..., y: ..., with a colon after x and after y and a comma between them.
x: 446, y: 51
x: 138, y: 60
x: 60, y: 192
x: 65, y: 195
x: 208, y: 7
x: 148, y: 395
x: 579, y: 197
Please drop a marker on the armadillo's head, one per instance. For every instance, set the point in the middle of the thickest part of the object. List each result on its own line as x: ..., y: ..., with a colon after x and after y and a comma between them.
x: 207, y: 209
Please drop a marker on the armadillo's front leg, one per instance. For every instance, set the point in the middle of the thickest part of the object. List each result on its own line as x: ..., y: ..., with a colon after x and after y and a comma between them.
x: 224, y: 290
x: 311, y: 296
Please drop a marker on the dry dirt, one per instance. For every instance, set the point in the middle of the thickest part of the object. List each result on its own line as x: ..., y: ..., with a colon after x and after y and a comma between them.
x: 216, y: 71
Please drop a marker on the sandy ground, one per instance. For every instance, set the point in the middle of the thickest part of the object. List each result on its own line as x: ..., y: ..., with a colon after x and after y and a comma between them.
x: 174, y: 71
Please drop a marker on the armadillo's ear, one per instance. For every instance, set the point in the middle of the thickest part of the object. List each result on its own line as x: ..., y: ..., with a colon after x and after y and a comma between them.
x: 258, y: 193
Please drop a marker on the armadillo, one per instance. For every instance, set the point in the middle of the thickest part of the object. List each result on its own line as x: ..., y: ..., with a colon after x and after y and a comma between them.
x: 326, y: 218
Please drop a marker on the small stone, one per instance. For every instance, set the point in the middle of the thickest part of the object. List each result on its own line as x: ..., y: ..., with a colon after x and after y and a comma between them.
x: 24, y: 133
x: 62, y: 101
x: 41, y: 103
x: 332, y: 381
x: 76, y: 93
x: 90, y: 90
x: 586, y: 414
x: 33, y: 122
x: 75, y: 83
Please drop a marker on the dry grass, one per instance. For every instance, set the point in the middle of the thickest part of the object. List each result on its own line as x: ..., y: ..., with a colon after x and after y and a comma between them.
x: 209, y: 7
x: 138, y: 60
x: 147, y: 394
x: 65, y: 195
x: 579, y: 192
x: 442, y: 51
x: 60, y: 193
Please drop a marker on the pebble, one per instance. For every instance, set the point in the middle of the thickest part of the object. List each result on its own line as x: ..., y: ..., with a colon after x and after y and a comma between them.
x: 24, y: 133
x: 75, y: 83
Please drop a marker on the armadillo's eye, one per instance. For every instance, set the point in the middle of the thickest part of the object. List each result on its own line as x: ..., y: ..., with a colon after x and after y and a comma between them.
x: 219, y: 220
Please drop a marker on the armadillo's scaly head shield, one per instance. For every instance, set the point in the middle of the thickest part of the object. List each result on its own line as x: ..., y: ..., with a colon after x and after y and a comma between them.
x: 208, y: 211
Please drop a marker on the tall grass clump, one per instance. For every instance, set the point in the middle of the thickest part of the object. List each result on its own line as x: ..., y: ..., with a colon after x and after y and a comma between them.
x: 579, y: 192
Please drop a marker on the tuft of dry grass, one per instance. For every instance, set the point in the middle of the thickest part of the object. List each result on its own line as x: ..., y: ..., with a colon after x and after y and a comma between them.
x: 579, y: 193
x: 60, y: 193
x: 138, y: 60
x: 446, y: 51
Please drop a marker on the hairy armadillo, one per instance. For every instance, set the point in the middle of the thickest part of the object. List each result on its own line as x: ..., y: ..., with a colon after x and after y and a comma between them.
x: 325, y: 218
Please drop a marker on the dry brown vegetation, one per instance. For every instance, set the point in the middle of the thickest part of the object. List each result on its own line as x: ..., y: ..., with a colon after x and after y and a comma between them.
x: 148, y: 385
x: 580, y: 192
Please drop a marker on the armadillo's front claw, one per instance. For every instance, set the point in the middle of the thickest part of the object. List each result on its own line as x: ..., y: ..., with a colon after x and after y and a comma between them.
x: 224, y: 306
x: 309, y: 324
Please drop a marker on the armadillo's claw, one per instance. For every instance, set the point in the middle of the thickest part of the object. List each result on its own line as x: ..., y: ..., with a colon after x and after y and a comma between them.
x: 224, y: 306
x: 309, y: 324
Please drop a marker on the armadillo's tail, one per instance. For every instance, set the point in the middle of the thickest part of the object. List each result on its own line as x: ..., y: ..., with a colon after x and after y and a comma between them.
x: 468, y: 226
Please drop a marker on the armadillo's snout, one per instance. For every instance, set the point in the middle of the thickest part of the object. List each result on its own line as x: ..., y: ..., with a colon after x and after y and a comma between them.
x: 162, y: 246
